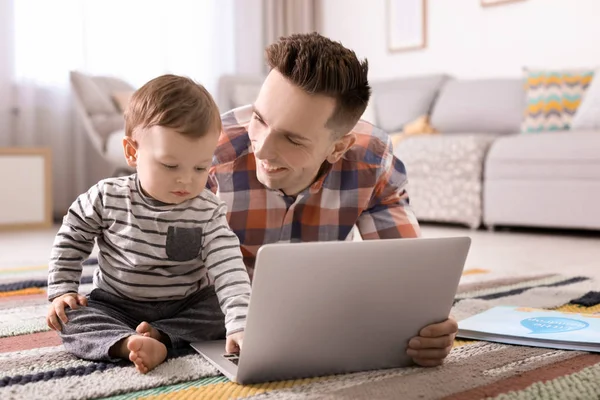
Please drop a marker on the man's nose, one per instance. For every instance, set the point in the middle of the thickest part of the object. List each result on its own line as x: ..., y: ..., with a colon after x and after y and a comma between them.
x: 264, y: 146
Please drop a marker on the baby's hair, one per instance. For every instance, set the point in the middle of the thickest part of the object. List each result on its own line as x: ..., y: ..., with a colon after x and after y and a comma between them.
x: 174, y: 102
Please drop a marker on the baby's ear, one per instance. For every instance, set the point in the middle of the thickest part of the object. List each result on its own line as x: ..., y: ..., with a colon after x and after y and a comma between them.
x: 130, y: 151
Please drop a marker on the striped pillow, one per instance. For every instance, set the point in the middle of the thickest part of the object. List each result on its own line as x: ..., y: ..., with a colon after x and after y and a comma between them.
x: 553, y: 98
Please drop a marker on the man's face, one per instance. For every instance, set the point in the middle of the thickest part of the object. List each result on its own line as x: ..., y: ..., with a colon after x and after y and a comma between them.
x: 171, y: 167
x: 288, y: 135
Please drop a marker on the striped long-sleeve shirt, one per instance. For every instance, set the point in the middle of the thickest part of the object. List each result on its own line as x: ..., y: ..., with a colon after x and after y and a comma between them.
x: 151, y: 251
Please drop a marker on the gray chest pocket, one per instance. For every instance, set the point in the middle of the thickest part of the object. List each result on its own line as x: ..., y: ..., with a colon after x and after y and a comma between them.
x: 183, y: 244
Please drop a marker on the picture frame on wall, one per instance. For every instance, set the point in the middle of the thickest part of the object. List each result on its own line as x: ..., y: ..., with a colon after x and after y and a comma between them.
x: 406, y: 25
x: 488, y: 3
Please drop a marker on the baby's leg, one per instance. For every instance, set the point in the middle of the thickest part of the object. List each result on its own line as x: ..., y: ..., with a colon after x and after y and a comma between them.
x: 105, y: 330
x: 196, y: 318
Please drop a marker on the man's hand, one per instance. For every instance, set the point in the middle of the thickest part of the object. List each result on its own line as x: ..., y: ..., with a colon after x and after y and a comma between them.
x: 57, y: 309
x: 234, y: 343
x: 433, y: 344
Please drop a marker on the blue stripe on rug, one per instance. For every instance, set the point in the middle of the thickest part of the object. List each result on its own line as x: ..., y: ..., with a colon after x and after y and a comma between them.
x: 514, y: 292
x: 590, y: 299
x: 58, y: 373
x: 82, y: 370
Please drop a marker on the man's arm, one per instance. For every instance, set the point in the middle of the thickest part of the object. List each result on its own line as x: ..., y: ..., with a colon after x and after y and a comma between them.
x: 389, y: 215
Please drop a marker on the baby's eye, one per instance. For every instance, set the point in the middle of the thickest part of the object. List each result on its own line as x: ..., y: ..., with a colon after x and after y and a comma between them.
x: 169, y: 166
x: 200, y: 169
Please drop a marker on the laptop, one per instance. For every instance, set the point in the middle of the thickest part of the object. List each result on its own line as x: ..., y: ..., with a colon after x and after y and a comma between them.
x: 324, y: 308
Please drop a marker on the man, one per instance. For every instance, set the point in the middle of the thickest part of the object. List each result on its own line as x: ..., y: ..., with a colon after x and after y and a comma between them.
x: 298, y: 165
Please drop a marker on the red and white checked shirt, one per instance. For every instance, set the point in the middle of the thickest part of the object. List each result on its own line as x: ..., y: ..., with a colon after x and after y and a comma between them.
x: 366, y: 188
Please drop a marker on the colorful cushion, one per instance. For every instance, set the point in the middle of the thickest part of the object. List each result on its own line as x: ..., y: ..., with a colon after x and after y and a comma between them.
x: 552, y: 98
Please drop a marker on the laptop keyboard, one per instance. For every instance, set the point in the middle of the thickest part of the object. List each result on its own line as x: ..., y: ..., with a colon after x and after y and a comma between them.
x: 234, y: 358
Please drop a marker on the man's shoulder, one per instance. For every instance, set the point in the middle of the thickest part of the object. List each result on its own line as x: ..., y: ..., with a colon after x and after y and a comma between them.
x: 233, y: 141
x: 373, y: 146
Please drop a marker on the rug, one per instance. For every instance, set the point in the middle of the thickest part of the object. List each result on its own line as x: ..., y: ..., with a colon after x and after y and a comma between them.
x: 34, y: 365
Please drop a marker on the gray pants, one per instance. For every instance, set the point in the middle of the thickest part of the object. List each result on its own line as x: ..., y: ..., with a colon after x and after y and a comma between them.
x: 93, y: 330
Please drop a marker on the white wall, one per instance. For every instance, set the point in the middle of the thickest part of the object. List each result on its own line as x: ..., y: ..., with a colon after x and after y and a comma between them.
x: 470, y: 41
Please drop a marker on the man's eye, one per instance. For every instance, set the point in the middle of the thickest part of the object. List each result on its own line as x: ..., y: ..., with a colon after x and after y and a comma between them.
x: 294, y: 143
x: 168, y: 166
x: 259, y: 119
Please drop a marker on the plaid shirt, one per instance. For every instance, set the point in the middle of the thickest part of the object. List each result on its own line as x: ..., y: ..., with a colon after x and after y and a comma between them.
x: 366, y: 188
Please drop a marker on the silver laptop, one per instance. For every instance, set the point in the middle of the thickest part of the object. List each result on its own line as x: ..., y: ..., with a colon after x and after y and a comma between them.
x: 325, y: 308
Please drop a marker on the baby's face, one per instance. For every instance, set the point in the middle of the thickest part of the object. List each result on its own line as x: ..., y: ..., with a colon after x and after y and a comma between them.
x: 171, y: 167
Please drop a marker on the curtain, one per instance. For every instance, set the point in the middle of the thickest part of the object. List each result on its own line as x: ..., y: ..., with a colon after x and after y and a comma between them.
x: 284, y: 17
x: 136, y: 40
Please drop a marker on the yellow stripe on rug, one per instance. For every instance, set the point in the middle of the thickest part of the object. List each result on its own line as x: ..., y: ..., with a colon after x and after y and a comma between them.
x: 23, y: 292
x: 576, y: 308
x: 230, y: 390
x: 475, y: 271
x: 21, y: 269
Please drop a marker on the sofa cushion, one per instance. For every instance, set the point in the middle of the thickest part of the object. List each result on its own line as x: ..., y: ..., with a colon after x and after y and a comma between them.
x: 552, y: 155
x: 106, y: 124
x: 93, y: 94
x: 490, y: 105
x: 444, y: 156
x: 400, y: 101
x: 445, y: 175
x: 121, y: 99
x: 114, y: 148
x: 553, y: 98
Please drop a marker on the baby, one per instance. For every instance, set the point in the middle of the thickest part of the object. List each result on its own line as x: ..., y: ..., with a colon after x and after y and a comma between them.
x: 170, y: 270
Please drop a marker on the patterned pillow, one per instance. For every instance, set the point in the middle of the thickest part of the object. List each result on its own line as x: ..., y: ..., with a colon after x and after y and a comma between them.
x: 553, y: 98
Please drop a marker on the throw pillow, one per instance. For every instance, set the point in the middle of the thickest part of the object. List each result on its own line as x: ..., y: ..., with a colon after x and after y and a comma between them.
x: 553, y: 98
x: 121, y: 99
x: 419, y: 126
x: 588, y: 113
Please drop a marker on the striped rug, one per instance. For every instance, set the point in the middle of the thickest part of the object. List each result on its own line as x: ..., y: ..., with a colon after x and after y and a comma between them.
x: 34, y: 365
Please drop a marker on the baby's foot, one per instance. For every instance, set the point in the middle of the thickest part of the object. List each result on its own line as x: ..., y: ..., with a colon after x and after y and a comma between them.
x: 145, y: 329
x: 146, y: 352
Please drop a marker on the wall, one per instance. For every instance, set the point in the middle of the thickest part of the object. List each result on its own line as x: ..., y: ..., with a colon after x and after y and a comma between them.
x: 470, y: 41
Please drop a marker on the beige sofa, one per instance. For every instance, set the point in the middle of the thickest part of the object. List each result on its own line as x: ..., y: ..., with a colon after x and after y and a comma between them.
x: 478, y: 170
x: 101, y: 115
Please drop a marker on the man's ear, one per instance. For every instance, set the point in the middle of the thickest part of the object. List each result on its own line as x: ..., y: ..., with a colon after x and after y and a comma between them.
x: 130, y: 150
x: 340, y: 147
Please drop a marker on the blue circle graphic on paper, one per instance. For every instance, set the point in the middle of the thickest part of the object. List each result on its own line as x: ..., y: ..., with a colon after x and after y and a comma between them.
x: 553, y: 324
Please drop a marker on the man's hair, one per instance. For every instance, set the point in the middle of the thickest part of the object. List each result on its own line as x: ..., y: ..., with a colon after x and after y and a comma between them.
x: 174, y: 102
x: 319, y: 65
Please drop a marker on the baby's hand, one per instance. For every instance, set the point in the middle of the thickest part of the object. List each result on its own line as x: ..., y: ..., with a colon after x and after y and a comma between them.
x: 234, y: 343
x: 57, y: 309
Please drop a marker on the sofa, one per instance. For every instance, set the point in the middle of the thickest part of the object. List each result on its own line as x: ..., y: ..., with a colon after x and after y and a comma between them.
x: 99, y: 103
x: 472, y: 166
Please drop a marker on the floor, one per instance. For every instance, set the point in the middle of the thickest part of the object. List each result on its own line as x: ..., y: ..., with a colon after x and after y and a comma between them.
x: 506, y: 251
